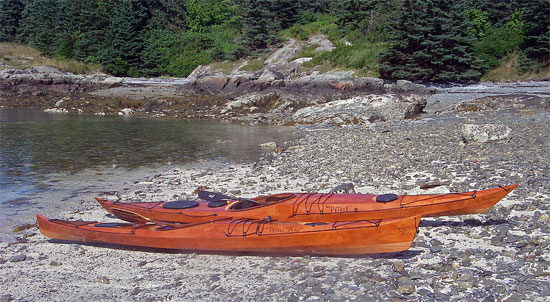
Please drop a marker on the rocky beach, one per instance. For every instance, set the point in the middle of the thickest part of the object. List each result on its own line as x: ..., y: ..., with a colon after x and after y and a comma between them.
x: 502, y: 255
x: 383, y: 137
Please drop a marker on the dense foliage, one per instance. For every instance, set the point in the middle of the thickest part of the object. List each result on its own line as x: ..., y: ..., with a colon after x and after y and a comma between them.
x: 433, y: 44
x: 424, y: 40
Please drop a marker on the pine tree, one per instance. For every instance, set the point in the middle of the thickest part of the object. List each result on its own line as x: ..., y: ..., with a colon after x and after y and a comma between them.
x: 125, y: 42
x: 405, y: 58
x: 37, y: 26
x: 257, y: 30
x: 353, y: 13
x: 535, y: 54
x: 91, y: 19
x: 434, y: 44
x: 10, y: 14
x: 285, y: 12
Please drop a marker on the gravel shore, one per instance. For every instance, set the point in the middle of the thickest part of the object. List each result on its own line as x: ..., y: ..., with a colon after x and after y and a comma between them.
x: 502, y: 255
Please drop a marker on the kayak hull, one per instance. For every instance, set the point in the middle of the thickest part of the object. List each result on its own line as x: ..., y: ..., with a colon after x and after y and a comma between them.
x: 245, y: 235
x: 317, y: 207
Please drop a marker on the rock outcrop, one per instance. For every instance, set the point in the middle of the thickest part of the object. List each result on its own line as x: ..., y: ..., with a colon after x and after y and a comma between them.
x: 362, y: 110
x: 282, y: 55
x: 503, y: 102
x: 42, y: 80
x: 322, y: 43
x: 485, y: 133
x: 282, y: 72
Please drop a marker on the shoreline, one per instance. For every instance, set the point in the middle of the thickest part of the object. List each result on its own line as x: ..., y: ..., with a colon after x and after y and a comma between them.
x: 503, y: 254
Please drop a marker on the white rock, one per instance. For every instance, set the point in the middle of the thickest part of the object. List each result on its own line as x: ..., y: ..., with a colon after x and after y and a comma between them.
x: 58, y: 103
x: 322, y: 42
x: 270, y: 145
x: 484, y: 133
x: 112, y: 81
x: 285, y: 53
x: 56, y: 110
x: 301, y: 61
x: 361, y: 110
x: 126, y: 111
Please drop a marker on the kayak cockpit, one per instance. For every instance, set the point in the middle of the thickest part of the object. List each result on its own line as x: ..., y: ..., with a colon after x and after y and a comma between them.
x: 245, y: 204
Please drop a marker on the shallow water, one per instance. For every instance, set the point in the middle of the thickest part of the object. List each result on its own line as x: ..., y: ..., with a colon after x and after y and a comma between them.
x: 448, y: 96
x: 48, y: 159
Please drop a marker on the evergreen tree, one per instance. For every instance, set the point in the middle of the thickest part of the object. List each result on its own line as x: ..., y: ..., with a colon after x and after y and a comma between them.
x: 10, y: 14
x: 353, y: 14
x: 169, y: 15
x: 37, y: 26
x: 285, y: 12
x: 125, y: 42
x: 535, y: 54
x: 498, y: 11
x: 374, y: 19
x: 91, y: 20
x: 258, y: 32
x: 434, y: 44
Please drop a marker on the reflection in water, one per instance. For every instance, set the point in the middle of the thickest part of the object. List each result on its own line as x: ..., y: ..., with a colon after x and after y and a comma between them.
x: 35, y: 145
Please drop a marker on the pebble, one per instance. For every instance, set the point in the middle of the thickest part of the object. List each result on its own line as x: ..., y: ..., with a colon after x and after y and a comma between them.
x: 479, y: 257
x: 406, y: 289
x: 6, y: 298
x: 544, y: 218
x: 18, y: 258
x: 398, y: 266
x: 435, y: 249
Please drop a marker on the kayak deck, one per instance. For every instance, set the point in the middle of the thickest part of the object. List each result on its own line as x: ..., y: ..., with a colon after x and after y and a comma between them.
x: 315, y: 207
x: 246, y: 235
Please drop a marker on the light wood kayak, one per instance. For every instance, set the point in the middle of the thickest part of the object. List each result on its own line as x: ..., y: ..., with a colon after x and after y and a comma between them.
x: 311, y: 207
x: 246, y: 235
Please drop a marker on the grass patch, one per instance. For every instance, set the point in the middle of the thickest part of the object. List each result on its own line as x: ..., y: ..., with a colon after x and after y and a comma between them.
x: 508, y: 71
x: 362, y: 57
x: 225, y: 67
x: 323, y: 24
x: 254, y: 65
x: 19, y: 56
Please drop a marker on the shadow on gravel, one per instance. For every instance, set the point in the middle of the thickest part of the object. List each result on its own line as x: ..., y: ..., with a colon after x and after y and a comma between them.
x: 401, y: 255
x: 465, y: 223
x: 408, y: 254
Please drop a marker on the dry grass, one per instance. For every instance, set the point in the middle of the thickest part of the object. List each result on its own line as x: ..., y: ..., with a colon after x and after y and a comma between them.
x: 254, y: 65
x: 225, y: 66
x: 17, y: 56
x: 507, y: 71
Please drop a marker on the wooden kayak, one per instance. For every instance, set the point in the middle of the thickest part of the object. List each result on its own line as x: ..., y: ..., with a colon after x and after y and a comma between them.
x: 311, y: 207
x: 246, y: 235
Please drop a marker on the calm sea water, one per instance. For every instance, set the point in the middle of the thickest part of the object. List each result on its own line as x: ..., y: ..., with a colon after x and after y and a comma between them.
x: 47, y: 159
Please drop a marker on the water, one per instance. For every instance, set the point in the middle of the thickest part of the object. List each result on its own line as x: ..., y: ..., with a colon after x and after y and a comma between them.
x: 47, y: 159
x: 448, y: 96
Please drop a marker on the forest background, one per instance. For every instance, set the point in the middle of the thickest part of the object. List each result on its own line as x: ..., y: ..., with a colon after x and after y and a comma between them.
x: 422, y: 40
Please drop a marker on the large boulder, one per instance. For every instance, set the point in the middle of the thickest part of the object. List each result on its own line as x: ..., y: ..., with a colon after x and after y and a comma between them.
x: 401, y: 86
x: 322, y: 43
x: 41, y: 80
x: 362, y: 110
x: 202, y: 71
x: 269, y: 74
x: 271, y: 102
x: 282, y: 55
x: 472, y: 133
x: 503, y: 102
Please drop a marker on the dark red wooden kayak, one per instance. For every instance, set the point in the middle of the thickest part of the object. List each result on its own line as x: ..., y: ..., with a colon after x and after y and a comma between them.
x: 311, y: 207
x: 246, y: 235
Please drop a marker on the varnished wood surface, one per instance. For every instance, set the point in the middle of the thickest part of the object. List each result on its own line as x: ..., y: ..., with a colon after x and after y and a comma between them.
x: 245, y: 235
x: 317, y: 207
